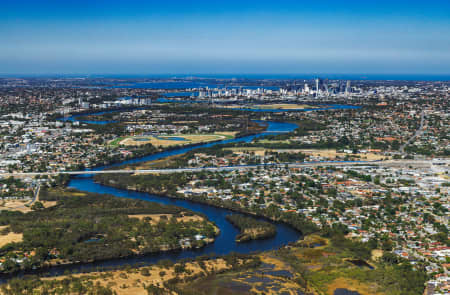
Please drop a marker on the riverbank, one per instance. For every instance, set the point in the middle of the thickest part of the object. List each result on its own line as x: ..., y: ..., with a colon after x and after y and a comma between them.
x: 85, y: 228
x: 159, y: 185
x: 156, y: 279
x: 299, y: 268
x: 250, y: 228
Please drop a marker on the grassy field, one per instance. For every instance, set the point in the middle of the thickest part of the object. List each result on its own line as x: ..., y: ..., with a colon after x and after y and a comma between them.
x: 276, y: 106
x: 172, y: 140
x: 286, y: 106
x: 116, y: 141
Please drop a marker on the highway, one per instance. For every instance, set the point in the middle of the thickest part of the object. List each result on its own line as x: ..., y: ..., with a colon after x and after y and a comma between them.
x: 388, y: 163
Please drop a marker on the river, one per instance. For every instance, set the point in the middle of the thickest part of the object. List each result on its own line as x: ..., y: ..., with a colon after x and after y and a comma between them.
x: 225, y: 241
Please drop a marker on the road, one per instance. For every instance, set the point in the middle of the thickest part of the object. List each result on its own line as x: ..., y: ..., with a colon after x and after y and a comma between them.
x: 27, y: 205
x: 418, y: 132
x: 389, y: 163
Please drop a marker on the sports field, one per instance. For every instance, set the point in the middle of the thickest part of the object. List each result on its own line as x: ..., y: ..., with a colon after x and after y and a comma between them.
x: 175, y: 139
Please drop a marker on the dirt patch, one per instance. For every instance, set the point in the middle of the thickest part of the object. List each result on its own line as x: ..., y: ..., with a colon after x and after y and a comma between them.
x: 376, y: 254
x: 10, y: 237
x: 241, y: 150
x: 48, y: 204
x: 332, y: 154
x: 16, y: 206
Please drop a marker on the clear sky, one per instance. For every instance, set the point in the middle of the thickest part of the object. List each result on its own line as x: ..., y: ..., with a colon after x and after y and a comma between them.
x: 276, y: 36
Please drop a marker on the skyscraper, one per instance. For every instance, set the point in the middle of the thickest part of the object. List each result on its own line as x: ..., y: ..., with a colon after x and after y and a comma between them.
x: 347, y: 88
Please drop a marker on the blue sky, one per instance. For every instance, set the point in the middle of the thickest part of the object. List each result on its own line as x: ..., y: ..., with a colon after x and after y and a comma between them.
x: 154, y: 37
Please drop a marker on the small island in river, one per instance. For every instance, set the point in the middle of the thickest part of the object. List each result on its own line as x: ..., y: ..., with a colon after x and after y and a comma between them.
x: 251, y: 228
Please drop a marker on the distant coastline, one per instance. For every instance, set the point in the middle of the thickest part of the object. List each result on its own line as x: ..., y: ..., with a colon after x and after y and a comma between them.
x: 307, y: 76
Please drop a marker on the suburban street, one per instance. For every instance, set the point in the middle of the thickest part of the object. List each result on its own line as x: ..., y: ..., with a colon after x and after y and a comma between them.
x: 418, y: 133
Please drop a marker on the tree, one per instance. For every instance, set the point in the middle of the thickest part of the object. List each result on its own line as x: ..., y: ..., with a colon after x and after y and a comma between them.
x: 37, y: 206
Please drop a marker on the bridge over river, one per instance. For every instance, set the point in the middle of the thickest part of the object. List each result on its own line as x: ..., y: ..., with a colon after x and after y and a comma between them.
x: 387, y: 163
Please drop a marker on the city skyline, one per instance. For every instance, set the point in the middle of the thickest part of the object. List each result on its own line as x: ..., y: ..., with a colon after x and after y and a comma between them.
x: 140, y: 37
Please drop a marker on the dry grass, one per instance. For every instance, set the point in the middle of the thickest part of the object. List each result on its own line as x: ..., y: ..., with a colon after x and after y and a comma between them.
x: 257, y: 151
x: 376, y: 254
x: 16, y: 206
x: 332, y: 154
x: 156, y: 218
x: 10, y: 237
x: 125, y: 282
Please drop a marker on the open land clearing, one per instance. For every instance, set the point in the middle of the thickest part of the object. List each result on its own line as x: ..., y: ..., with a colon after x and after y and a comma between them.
x: 329, y: 154
x: 10, y: 237
x: 333, y: 154
x: 24, y: 206
x: 16, y: 205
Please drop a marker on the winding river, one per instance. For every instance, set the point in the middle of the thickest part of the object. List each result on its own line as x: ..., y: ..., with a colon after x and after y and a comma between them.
x: 224, y: 243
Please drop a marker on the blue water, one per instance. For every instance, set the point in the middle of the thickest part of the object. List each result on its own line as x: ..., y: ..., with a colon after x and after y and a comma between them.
x: 348, y: 76
x: 328, y: 107
x: 180, y: 94
x: 176, y: 138
x: 167, y: 85
x: 187, y: 85
x: 74, y: 118
x: 272, y: 129
x: 342, y: 291
x: 169, y: 100
x: 223, y: 244
x: 225, y: 241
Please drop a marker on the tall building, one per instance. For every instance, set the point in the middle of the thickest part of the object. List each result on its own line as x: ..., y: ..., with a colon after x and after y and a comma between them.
x: 325, y: 86
x: 347, y: 88
x: 317, y: 86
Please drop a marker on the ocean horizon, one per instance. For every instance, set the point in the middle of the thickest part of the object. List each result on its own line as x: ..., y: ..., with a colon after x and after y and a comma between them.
x: 333, y: 76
